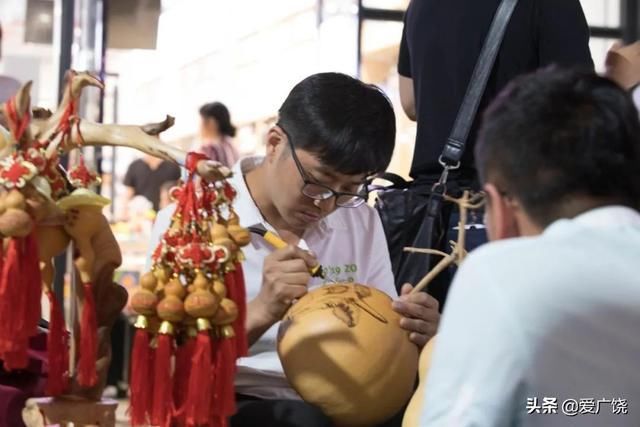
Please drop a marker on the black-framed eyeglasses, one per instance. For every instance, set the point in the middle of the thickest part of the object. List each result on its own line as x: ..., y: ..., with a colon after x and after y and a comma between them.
x: 317, y: 191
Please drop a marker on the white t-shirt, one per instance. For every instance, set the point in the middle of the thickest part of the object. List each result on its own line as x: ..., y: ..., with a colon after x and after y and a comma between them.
x: 349, y: 243
x: 533, y: 323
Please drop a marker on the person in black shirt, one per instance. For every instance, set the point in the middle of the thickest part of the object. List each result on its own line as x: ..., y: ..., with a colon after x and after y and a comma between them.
x: 145, y: 176
x: 441, y: 43
x: 440, y: 46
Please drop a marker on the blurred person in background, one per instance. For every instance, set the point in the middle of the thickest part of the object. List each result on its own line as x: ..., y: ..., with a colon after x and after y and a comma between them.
x: 165, y: 190
x: 145, y: 177
x: 216, y: 134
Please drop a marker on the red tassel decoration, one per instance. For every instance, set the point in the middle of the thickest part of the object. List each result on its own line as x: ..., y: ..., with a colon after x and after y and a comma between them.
x: 13, y: 309
x: 32, y: 283
x: 87, y: 375
x: 200, y: 380
x: 57, y: 349
x: 1, y: 259
x: 238, y: 294
x: 223, y: 404
x: 229, y: 283
x: 18, y: 358
x: 10, y: 269
x: 184, y: 356
x: 162, y: 385
x: 141, y: 383
x: 20, y: 290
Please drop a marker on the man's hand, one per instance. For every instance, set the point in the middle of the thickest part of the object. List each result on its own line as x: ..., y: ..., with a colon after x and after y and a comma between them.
x: 419, y: 313
x: 623, y: 64
x: 285, y: 276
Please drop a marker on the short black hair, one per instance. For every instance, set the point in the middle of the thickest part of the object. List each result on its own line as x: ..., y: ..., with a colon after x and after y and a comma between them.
x: 219, y: 112
x: 557, y: 134
x: 348, y: 124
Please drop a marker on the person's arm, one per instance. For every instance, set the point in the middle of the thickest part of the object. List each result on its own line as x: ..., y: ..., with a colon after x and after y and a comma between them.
x: 419, y: 311
x: 285, y: 276
x: 258, y: 321
x: 407, y: 96
x: 160, y: 226
x: 623, y: 65
x: 563, y: 34
x: 476, y: 372
x: 130, y: 191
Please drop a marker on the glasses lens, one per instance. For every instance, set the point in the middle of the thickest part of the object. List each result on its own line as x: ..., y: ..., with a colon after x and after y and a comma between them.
x: 349, y: 201
x: 316, y: 191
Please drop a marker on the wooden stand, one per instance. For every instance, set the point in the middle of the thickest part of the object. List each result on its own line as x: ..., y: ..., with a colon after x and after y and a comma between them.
x: 45, y: 411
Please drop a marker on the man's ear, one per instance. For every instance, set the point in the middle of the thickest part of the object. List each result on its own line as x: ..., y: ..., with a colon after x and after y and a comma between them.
x: 501, y: 220
x: 275, y: 142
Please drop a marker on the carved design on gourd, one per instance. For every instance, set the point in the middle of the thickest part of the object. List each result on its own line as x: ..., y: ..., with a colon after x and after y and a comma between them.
x: 345, y: 306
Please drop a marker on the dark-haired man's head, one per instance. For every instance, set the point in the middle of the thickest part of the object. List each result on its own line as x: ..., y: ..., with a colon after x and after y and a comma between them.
x: 555, y: 144
x: 215, y: 121
x: 333, y: 132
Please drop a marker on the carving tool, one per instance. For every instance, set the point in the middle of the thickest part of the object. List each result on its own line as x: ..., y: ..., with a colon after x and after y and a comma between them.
x: 274, y: 240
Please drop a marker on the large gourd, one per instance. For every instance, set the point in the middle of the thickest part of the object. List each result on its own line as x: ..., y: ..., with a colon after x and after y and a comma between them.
x: 342, y: 349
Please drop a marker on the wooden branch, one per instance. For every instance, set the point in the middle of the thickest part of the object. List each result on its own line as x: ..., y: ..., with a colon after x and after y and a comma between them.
x: 23, y: 106
x: 132, y: 136
x: 154, y: 129
x: 458, y: 251
x: 75, y: 83
x: 426, y: 251
x: 441, y: 266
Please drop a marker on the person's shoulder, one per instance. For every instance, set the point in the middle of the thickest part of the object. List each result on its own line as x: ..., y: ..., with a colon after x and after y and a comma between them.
x: 533, y: 262
x: 170, y: 166
x: 137, y: 164
x: 504, y: 257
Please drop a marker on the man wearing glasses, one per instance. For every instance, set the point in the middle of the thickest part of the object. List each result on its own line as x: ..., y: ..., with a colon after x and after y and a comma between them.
x: 333, y: 133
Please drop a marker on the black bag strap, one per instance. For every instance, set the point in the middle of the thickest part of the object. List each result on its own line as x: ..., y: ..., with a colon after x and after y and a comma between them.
x: 397, y: 182
x: 455, y: 146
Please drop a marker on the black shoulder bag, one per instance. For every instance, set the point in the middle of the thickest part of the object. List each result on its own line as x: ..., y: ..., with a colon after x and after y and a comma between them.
x: 415, y: 215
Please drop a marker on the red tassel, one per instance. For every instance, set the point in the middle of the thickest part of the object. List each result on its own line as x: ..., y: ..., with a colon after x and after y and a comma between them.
x: 32, y: 283
x: 57, y: 349
x: 87, y: 375
x: 141, y: 384
x: 10, y: 267
x: 13, y: 309
x: 18, y: 357
x: 223, y: 404
x: 162, y: 386
x: 238, y: 295
x: 1, y: 258
x: 200, y: 382
x: 184, y: 355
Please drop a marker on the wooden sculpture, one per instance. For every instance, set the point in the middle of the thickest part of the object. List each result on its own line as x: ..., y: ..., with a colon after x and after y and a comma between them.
x: 192, y: 306
x: 43, y: 209
x: 342, y: 349
x: 458, y: 253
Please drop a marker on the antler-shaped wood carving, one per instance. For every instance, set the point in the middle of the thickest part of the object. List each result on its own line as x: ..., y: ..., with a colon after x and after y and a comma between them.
x: 458, y: 253
x: 35, y: 204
